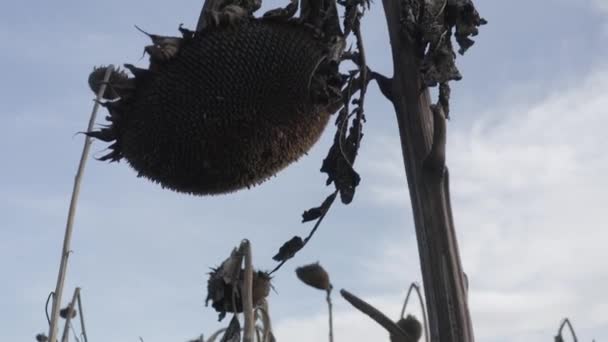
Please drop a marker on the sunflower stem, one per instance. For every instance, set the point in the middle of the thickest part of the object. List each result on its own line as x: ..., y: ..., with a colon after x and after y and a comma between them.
x: 65, y: 251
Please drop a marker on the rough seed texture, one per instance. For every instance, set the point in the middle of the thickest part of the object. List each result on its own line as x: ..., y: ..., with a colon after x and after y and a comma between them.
x: 234, y: 107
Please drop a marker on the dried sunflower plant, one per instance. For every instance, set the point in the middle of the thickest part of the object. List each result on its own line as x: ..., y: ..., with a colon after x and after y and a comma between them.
x: 233, y: 102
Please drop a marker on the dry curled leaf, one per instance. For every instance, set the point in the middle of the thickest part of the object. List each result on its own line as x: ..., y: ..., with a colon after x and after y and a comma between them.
x: 289, y: 249
x: 315, y: 213
x: 338, y: 165
x: 339, y: 170
x: 439, y: 23
x: 314, y: 275
x: 233, y: 332
x: 229, y: 270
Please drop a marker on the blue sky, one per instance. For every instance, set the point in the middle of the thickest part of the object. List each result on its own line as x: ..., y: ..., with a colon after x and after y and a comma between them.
x: 525, y: 154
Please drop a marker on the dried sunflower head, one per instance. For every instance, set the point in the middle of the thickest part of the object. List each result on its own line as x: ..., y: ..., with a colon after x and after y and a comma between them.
x: 226, y: 107
x: 221, y: 289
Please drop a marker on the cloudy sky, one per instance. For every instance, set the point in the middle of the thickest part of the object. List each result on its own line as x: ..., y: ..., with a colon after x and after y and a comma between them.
x: 527, y: 173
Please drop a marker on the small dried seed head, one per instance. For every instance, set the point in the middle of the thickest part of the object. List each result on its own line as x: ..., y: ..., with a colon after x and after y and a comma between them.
x: 411, y: 326
x: 118, y: 80
x: 67, y: 311
x: 314, y: 275
x: 41, y: 338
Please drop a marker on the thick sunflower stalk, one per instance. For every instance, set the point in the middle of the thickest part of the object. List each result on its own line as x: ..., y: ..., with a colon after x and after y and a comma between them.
x: 420, y: 35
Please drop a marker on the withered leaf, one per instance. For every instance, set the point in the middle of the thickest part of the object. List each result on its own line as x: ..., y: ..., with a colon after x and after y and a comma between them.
x: 347, y: 183
x: 315, y: 213
x: 341, y: 156
x: 222, y: 284
x: 231, y: 267
x: 329, y: 163
x: 311, y: 214
x: 289, y: 249
x: 233, y: 332
x: 350, y: 16
x: 340, y: 172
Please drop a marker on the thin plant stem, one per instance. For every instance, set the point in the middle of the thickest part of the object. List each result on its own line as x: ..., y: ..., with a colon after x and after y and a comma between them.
x: 83, y: 331
x: 566, y: 322
x: 376, y: 315
x: 416, y: 287
x: 249, y: 328
x: 331, y: 318
x: 65, y: 251
x: 215, y: 335
x: 258, y: 334
x: 310, y: 235
x: 221, y: 331
x: 68, y: 318
x: 46, y: 307
x: 264, y: 313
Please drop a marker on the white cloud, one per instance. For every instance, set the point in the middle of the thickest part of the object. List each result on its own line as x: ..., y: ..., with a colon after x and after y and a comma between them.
x: 528, y: 187
x: 601, y: 5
